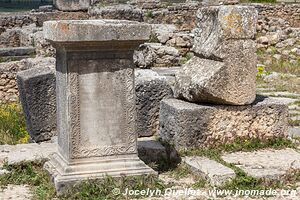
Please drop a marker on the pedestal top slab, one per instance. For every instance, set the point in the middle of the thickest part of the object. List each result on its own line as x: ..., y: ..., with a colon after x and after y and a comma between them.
x: 95, y: 30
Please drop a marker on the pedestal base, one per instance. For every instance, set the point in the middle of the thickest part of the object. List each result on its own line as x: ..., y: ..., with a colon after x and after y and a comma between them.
x: 66, y: 174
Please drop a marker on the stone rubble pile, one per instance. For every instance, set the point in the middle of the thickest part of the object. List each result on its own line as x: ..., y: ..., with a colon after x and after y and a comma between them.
x: 216, y: 90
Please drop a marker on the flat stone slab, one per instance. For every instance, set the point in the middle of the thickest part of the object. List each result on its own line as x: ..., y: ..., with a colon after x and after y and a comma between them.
x: 25, y: 152
x: 216, y: 173
x: 269, y: 164
x: 95, y: 30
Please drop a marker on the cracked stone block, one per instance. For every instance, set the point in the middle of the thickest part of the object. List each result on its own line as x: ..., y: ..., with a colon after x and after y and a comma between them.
x: 150, y: 89
x: 37, y: 95
x: 216, y: 173
x: 268, y: 164
x: 216, y: 24
x: 210, y: 81
x: 188, y: 125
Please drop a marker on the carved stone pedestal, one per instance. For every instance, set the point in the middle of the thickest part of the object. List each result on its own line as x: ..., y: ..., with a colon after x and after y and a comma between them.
x: 95, y: 99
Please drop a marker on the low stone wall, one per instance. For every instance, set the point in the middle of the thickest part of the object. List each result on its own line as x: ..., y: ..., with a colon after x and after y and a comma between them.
x: 289, y: 12
x: 8, y: 85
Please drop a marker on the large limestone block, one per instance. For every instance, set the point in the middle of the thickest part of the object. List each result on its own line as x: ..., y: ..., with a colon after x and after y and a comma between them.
x: 202, y: 80
x: 188, y: 125
x: 216, y: 24
x: 37, y: 95
x: 150, y: 89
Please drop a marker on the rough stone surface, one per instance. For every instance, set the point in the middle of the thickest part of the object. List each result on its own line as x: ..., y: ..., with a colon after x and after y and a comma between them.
x: 37, y: 95
x: 269, y: 164
x: 203, y: 80
x: 156, y: 55
x: 215, y: 24
x: 121, y: 11
x: 216, y: 173
x: 150, y: 89
x: 16, y: 192
x: 151, y: 150
x: 188, y: 125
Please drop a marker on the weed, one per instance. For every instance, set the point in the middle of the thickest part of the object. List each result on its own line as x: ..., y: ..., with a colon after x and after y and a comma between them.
x: 12, y: 124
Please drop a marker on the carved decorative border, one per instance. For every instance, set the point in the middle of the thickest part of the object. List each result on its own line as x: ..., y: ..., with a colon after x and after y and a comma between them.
x: 129, y: 109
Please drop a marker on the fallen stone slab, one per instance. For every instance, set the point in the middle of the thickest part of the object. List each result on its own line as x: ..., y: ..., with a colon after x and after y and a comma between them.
x: 188, y: 125
x: 13, y: 154
x: 150, y: 89
x: 268, y: 164
x: 37, y: 94
x: 17, y: 51
x: 216, y: 173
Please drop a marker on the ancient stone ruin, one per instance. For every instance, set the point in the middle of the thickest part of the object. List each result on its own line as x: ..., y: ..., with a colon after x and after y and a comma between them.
x: 119, y: 89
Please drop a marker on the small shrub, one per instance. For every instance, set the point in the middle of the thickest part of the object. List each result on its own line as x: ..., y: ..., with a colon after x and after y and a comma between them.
x: 12, y: 124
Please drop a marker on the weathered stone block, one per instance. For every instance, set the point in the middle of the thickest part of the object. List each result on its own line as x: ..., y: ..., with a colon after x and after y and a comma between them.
x: 37, y: 95
x: 150, y: 89
x: 216, y: 24
x: 72, y: 5
x: 216, y: 173
x: 232, y: 82
x: 189, y: 125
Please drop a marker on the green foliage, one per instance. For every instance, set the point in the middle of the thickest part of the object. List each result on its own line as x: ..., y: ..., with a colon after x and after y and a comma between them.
x: 153, y: 38
x: 149, y: 14
x: 241, y: 145
x: 32, y: 174
x: 186, y: 58
x: 200, y: 183
x: 181, y: 171
x: 12, y: 124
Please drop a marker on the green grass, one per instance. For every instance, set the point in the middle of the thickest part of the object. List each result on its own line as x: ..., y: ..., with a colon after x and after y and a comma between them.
x: 12, y: 124
x: 32, y: 174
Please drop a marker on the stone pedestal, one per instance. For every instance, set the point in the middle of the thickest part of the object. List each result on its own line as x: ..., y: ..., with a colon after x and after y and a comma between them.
x: 95, y: 99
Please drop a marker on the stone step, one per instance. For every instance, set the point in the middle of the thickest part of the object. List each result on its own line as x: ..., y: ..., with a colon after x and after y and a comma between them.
x: 215, y: 173
x: 16, y: 51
